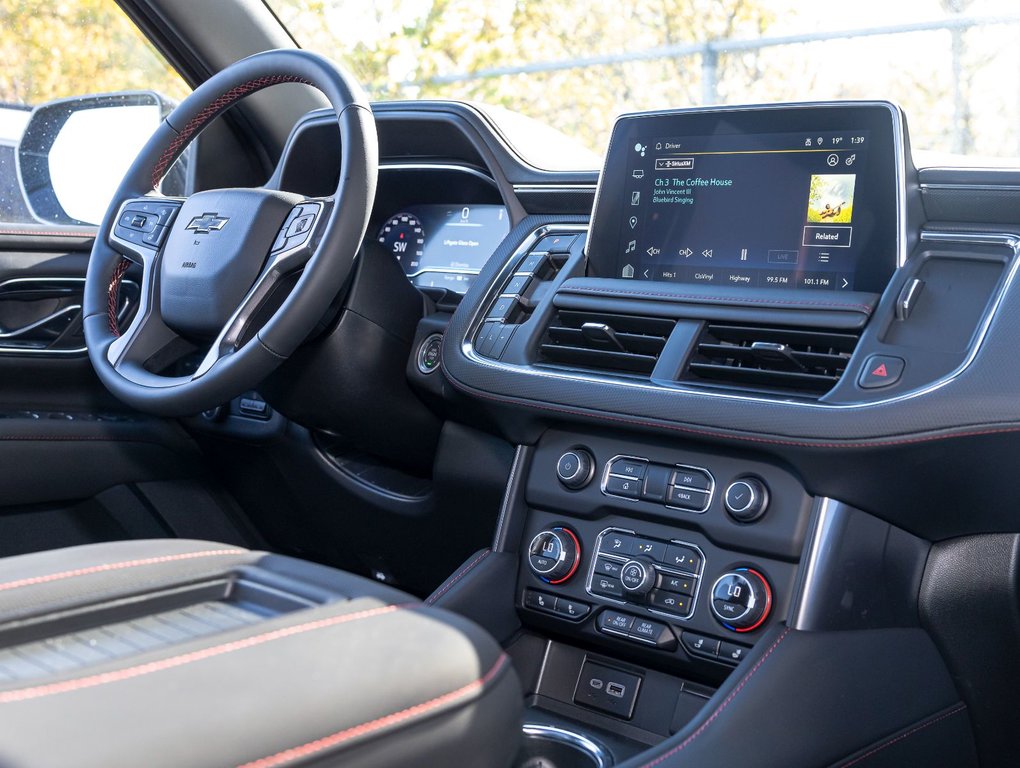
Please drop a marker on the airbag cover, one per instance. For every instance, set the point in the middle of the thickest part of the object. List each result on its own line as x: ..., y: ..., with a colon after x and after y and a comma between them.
x: 216, y: 249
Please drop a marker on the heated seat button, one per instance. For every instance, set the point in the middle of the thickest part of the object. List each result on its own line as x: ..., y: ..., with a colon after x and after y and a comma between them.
x: 732, y: 653
x: 881, y: 371
x: 700, y: 645
x: 572, y: 609
x: 539, y: 601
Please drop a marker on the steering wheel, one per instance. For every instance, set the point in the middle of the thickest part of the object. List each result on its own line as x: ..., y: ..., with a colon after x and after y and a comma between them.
x: 211, y: 263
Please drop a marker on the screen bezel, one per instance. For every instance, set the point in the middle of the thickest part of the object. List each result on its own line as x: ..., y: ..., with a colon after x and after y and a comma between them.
x: 886, y: 248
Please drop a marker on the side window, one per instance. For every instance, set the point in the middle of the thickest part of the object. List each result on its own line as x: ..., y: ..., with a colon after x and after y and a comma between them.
x: 81, y: 90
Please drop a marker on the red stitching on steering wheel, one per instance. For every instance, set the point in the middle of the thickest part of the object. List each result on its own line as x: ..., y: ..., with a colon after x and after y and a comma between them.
x: 113, y: 295
x: 195, y: 124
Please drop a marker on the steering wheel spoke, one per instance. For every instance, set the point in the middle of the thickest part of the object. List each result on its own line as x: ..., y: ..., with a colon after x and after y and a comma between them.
x: 295, y: 243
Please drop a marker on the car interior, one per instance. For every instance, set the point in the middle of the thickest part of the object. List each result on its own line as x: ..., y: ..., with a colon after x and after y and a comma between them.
x: 349, y: 435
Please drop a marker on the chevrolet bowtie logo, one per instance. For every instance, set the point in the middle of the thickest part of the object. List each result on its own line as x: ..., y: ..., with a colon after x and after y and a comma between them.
x: 206, y: 223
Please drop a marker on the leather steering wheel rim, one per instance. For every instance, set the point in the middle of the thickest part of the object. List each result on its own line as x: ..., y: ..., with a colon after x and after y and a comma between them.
x: 324, y: 273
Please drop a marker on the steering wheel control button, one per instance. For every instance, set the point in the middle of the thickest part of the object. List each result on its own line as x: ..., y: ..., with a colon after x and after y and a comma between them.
x: 430, y: 353
x: 686, y: 477
x: 881, y: 371
x: 554, y: 555
x: 683, y: 558
x: 741, y: 600
x: 637, y: 578
x: 746, y: 499
x: 614, y: 622
x: 607, y: 690
x: 700, y: 645
x: 575, y: 469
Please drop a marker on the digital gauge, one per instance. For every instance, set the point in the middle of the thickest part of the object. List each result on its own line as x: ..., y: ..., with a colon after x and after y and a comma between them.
x: 404, y: 237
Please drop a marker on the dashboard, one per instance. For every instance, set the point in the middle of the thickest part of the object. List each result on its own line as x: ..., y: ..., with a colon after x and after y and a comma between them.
x: 758, y: 373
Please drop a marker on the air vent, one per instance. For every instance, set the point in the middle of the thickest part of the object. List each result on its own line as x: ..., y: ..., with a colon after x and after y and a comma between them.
x: 785, y: 359
x: 605, y: 342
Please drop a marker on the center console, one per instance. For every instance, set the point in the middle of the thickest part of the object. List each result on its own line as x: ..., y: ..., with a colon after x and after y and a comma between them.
x: 693, y: 379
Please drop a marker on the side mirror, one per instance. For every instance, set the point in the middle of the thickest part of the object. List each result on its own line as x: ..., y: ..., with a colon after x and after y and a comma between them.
x: 74, y: 153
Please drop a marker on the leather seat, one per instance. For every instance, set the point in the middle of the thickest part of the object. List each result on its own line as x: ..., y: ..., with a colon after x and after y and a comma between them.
x: 187, y: 653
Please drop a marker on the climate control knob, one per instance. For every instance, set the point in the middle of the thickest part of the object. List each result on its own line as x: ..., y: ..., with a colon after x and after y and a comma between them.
x: 554, y: 555
x: 741, y: 599
x: 637, y: 577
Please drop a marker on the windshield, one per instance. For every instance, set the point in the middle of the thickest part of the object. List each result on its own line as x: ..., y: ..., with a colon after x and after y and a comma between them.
x: 953, y: 65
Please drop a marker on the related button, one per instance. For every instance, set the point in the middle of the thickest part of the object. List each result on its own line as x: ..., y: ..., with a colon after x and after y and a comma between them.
x: 555, y: 243
x: 732, y: 597
x: 542, y: 563
x: 256, y: 407
x: 517, y: 285
x: 539, y: 601
x: 139, y: 220
x: 671, y: 602
x: 699, y: 645
x: 572, y: 609
x: 606, y: 567
x: 607, y: 690
x: 685, y: 498
x: 881, y: 371
x: 155, y: 236
x: 133, y: 236
x: 657, y: 482
x: 487, y: 338
x: 606, y: 586
x: 629, y: 468
x: 732, y: 653
x: 623, y: 486
x: 614, y: 621
x: 683, y: 585
x: 682, y: 558
x: 655, y: 550
x: 829, y: 237
x: 691, y: 478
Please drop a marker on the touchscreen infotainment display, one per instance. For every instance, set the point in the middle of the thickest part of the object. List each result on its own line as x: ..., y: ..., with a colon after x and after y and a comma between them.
x: 724, y: 200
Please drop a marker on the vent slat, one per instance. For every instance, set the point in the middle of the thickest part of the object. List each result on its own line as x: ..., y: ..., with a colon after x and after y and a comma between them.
x: 798, y: 360
x: 624, y: 343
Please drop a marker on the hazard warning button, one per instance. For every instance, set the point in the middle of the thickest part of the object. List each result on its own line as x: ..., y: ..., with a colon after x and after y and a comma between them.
x: 881, y: 371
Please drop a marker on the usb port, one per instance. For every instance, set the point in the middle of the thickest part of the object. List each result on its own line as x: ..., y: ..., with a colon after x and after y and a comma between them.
x: 616, y: 689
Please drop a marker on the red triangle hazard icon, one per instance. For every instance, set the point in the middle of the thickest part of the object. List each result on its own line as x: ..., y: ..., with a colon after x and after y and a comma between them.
x: 880, y: 371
